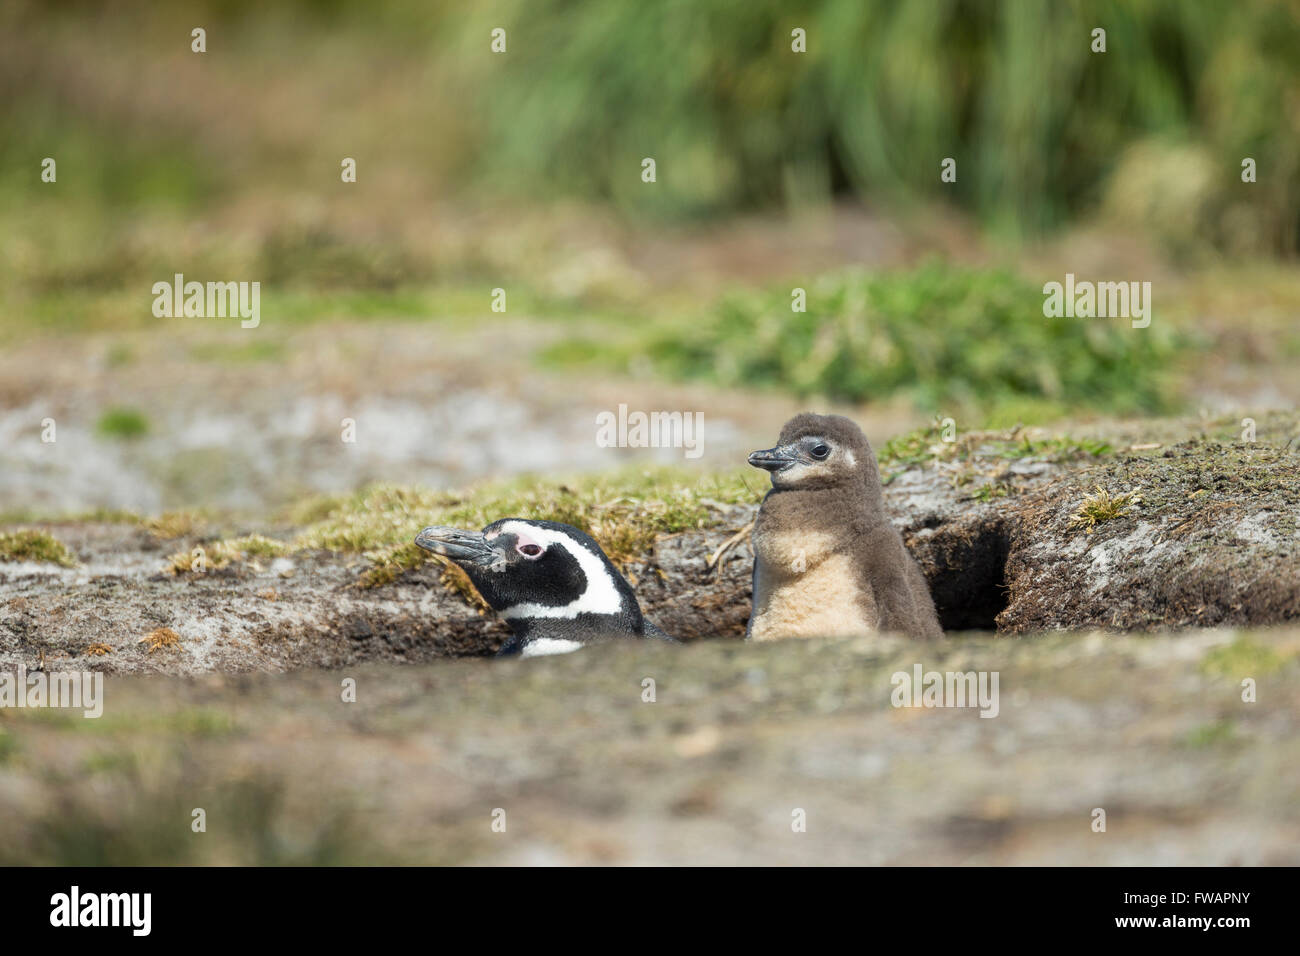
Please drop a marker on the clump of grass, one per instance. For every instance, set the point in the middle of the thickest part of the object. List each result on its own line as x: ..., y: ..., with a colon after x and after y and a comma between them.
x: 32, y: 545
x: 884, y: 80
x: 125, y: 423
x: 991, y: 490
x: 159, y: 638
x: 913, y: 448
x: 390, y: 563
x: 927, y: 445
x: 941, y: 337
x: 624, y: 511
x: 223, y: 553
x: 1102, y: 507
x: 174, y: 524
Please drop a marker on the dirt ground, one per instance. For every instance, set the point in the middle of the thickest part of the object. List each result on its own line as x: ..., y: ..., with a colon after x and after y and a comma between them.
x: 740, y: 744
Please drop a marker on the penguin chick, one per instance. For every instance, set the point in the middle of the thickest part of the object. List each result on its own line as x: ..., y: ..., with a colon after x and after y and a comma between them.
x: 550, y: 582
x: 827, y: 561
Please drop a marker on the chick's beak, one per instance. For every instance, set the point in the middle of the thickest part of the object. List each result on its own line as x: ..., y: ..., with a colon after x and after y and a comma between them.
x: 463, y: 547
x: 772, y: 459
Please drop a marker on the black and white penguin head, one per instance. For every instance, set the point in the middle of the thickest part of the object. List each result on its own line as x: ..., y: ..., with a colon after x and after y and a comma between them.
x: 545, y: 578
x: 820, y: 451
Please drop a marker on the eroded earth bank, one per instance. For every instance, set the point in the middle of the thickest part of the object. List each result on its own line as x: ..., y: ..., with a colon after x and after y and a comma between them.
x: 225, y: 690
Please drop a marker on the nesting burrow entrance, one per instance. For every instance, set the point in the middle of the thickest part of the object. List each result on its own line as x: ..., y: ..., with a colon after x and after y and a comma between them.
x: 966, y: 564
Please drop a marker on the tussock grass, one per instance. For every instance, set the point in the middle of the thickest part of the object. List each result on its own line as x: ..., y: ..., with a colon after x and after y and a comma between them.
x: 624, y: 511
x: 174, y: 524
x: 159, y: 638
x: 1102, y: 507
x: 32, y: 545
x: 222, y: 553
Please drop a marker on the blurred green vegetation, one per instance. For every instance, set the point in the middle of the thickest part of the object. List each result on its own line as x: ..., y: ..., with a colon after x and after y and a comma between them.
x: 226, y: 165
x: 1041, y: 127
x: 946, y: 338
x: 123, y: 423
x: 1044, y: 131
x: 148, y: 822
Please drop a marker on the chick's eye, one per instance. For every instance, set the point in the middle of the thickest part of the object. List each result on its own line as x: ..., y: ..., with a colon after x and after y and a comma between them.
x: 530, y: 550
x: 821, y: 451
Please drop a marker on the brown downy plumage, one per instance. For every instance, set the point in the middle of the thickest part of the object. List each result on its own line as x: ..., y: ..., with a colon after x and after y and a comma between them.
x: 826, y: 559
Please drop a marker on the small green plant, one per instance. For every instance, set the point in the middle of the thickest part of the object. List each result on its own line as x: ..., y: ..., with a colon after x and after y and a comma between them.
x: 124, y: 423
x: 991, y: 490
x: 1102, y: 507
x: 624, y: 511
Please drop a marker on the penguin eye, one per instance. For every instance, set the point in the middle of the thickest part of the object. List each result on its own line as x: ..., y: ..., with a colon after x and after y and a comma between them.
x: 530, y: 550
x: 821, y: 450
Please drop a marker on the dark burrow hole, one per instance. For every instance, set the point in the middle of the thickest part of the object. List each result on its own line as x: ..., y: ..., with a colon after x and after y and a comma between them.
x: 967, y: 570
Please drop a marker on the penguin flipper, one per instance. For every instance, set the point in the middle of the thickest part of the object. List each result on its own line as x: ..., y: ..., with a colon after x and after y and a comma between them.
x: 904, y: 600
x: 753, y: 597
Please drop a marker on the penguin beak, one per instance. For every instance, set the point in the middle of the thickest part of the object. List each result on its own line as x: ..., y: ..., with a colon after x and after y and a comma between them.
x: 772, y: 459
x: 467, y: 547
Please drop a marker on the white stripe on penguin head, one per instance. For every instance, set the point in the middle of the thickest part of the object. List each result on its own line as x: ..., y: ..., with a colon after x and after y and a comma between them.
x: 601, y: 595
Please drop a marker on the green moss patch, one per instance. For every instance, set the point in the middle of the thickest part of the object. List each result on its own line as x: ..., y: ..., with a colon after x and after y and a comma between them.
x: 624, y: 511
x: 30, y: 545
